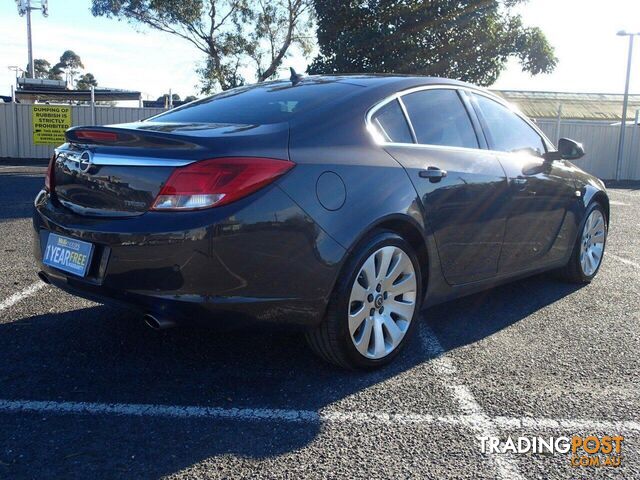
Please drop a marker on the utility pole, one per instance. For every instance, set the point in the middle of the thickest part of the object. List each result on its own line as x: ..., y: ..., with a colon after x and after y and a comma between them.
x: 24, y: 8
x: 30, y: 69
x: 625, y: 103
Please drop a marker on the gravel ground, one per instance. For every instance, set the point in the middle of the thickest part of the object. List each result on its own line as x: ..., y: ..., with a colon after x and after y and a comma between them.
x: 87, y: 390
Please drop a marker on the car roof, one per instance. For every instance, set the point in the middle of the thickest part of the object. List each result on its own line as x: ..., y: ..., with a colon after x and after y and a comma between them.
x: 378, y: 79
x: 376, y: 84
x: 374, y: 88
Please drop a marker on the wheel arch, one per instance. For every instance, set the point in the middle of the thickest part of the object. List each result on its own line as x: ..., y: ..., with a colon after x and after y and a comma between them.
x: 603, y: 199
x: 593, y: 189
x: 408, y: 228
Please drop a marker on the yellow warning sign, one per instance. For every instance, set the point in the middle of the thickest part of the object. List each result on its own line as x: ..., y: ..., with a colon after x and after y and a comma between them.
x: 49, y: 123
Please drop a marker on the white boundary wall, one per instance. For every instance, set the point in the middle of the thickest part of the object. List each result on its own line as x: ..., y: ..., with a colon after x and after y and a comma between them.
x: 600, y: 139
x: 18, y: 116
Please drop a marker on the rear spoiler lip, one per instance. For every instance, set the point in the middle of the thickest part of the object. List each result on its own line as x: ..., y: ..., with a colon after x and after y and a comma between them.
x: 128, y: 137
x: 75, y: 155
x: 70, y: 134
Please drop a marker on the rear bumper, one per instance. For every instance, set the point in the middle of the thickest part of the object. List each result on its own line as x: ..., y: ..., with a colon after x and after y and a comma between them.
x: 261, y: 258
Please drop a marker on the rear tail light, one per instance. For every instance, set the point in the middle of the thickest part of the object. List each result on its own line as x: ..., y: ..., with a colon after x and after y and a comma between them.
x: 216, y: 182
x: 48, y: 179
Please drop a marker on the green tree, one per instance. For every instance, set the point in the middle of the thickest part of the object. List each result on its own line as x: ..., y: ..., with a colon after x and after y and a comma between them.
x: 278, y: 25
x: 231, y: 33
x: 465, y: 39
x: 165, y: 98
x: 190, y: 98
x: 41, y: 68
x: 55, y: 72
x: 69, y: 64
x: 174, y: 96
x: 86, y: 81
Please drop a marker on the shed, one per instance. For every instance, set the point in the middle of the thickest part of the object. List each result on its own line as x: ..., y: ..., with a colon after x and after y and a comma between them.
x: 576, y: 106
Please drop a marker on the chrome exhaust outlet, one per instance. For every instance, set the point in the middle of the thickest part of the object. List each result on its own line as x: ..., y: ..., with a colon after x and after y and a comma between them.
x: 158, y: 322
x: 43, y: 276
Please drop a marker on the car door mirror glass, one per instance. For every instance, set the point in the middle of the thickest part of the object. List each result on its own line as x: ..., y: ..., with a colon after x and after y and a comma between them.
x: 567, y: 150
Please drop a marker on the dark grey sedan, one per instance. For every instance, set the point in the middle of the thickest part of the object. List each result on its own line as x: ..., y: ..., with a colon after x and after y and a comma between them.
x: 340, y: 205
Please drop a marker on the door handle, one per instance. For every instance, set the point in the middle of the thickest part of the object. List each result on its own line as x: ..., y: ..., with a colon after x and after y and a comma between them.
x: 519, y: 183
x: 434, y: 174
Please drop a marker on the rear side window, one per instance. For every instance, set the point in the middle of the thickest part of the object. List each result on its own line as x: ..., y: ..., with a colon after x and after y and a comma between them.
x: 272, y: 102
x: 439, y: 118
x: 508, y: 132
x: 391, y: 124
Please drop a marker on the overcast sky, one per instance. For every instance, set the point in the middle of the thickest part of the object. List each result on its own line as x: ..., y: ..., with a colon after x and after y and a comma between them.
x: 591, y: 57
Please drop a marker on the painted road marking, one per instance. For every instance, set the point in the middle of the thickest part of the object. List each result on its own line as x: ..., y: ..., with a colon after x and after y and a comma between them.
x: 480, y: 422
x: 305, y: 416
x: 22, y: 294
x: 623, y: 260
x: 568, y: 424
x: 619, y: 204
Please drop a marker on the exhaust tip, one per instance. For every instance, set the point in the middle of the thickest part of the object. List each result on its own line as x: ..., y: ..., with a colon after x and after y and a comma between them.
x: 43, y: 276
x: 158, y: 322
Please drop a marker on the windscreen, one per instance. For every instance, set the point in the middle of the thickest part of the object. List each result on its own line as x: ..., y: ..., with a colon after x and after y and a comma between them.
x: 272, y: 102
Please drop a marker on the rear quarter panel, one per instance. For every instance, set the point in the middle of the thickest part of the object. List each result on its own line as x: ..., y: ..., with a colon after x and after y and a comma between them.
x: 377, y: 188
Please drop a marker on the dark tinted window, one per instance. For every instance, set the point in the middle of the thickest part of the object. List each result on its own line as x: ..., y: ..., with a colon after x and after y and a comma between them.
x: 390, y: 123
x: 267, y: 103
x: 440, y: 118
x: 507, y: 130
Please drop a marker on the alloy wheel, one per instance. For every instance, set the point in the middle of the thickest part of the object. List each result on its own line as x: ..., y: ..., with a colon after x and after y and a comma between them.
x: 592, y: 244
x: 382, y: 302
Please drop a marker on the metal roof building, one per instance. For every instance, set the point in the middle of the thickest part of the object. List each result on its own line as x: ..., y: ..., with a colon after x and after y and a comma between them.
x: 100, y: 95
x: 576, y: 106
x: 31, y: 90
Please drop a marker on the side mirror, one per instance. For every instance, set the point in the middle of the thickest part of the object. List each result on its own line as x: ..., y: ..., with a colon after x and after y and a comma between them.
x: 567, y: 150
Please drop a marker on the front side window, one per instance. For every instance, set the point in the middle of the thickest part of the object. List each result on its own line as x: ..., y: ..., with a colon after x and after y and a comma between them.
x: 390, y: 124
x: 508, y: 132
x: 439, y: 118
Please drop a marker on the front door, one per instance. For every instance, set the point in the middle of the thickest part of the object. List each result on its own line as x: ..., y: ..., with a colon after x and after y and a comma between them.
x: 540, y: 225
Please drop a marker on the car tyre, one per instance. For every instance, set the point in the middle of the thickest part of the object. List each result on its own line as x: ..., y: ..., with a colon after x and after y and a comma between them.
x: 588, y: 251
x: 381, y: 336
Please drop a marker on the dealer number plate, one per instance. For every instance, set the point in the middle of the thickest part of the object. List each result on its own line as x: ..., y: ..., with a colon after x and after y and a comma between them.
x: 68, y: 254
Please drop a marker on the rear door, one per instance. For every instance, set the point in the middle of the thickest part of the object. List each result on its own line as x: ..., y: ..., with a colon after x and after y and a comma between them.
x: 541, y: 193
x: 462, y: 186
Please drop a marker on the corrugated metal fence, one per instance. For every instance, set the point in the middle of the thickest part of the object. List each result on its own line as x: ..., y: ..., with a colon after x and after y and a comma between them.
x: 18, y: 116
x: 599, y: 138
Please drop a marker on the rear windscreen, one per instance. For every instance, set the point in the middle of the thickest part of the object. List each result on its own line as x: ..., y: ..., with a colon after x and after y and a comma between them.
x: 272, y: 102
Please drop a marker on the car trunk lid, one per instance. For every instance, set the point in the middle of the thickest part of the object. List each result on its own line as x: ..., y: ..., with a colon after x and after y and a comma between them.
x: 119, y: 170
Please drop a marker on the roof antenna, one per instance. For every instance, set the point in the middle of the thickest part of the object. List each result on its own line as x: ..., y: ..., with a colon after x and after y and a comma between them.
x: 295, y: 78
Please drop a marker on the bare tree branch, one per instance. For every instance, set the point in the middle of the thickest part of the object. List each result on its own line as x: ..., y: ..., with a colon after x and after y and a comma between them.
x: 228, y: 32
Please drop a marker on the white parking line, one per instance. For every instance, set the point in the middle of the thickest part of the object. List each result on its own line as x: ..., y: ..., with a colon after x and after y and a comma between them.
x: 479, y: 421
x: 623, y: 260
x: 16, y: 297
x: 307, y: 416
x: 567, y: 424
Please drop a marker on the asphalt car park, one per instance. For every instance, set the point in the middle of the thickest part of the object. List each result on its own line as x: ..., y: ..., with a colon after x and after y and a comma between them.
x: 87, y: 389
